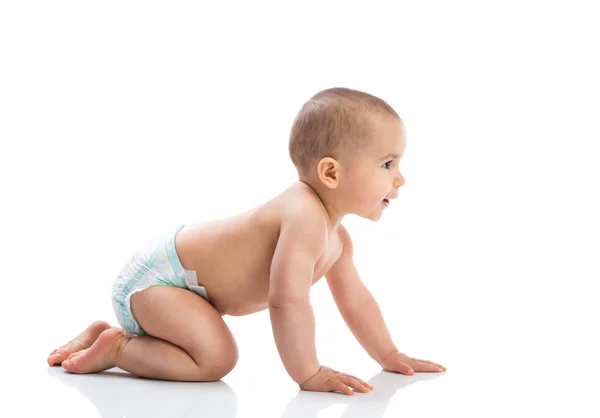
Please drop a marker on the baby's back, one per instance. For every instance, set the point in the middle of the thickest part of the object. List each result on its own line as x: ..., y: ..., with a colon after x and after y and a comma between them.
x: 232, y: 256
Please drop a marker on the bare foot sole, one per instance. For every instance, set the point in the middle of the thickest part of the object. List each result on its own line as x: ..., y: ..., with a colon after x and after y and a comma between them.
x: 81, y: 342
x: 100, y: 356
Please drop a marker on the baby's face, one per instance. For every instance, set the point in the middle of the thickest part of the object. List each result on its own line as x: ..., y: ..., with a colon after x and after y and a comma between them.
x: 376, y: 175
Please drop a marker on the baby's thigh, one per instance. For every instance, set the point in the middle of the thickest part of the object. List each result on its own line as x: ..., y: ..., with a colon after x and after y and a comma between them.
x: 185, y: 319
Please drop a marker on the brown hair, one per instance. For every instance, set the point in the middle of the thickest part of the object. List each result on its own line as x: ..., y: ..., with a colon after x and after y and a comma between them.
x: 334, y: 123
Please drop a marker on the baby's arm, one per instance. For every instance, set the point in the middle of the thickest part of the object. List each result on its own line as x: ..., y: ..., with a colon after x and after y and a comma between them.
x: 301, y: 242
x: 363, y: 315
x: 357, y: 305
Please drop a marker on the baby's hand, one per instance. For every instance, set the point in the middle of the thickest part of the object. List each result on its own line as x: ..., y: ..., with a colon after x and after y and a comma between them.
x: 329, y: 380
x: 401, y: 363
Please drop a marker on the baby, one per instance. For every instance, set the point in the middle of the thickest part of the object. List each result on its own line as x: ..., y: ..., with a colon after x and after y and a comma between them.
x: 171, y: 295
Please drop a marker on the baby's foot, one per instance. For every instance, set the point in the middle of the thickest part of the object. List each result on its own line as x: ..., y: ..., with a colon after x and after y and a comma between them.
x: 82, y: 341
x: 100, y: 356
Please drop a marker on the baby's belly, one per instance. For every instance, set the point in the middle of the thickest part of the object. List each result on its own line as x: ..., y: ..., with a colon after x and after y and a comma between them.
x: 246, y: 309
x: 237, y: 298
x: 236, y: 306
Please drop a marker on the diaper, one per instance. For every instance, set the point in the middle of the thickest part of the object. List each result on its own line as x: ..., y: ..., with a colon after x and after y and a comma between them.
x: 156, y: 264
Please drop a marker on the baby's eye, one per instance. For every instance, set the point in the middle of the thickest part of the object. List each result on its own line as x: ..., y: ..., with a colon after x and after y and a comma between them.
x: 389, y: 162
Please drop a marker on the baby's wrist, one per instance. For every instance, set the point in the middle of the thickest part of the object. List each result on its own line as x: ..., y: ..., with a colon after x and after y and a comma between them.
x: 386, y: 357
x: 313, y: 375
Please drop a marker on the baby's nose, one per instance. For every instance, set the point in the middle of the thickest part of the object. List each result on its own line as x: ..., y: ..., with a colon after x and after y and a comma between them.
x: 399, y: 182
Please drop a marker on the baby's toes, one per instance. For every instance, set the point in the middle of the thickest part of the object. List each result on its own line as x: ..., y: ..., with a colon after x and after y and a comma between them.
x: 66, y: 364
x: 70, y: 361
x: 56, y: 357
x: 51, y: 355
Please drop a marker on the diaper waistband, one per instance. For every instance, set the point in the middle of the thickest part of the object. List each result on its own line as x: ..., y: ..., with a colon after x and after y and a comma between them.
x: 191, y: 280
x: 172, y: 253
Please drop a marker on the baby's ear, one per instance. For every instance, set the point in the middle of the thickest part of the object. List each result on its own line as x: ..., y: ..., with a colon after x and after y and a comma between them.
x: 328, y: 171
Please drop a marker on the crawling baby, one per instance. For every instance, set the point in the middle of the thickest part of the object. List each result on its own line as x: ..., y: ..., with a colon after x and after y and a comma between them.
x: 171, y: 295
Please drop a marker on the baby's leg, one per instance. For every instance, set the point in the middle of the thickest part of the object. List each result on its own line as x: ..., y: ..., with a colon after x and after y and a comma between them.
x: 81, y: 342
x: 187, y: 340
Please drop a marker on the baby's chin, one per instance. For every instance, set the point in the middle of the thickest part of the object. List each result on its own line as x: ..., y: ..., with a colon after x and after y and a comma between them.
x: 371, y: 213
x: 375, y: 216
x: 378, y: 213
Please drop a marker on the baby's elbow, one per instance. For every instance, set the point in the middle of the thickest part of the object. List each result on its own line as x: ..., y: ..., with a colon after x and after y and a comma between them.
x: 278, y: 301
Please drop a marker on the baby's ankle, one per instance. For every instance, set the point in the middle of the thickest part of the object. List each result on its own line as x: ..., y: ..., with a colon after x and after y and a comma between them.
x: 120, y: 343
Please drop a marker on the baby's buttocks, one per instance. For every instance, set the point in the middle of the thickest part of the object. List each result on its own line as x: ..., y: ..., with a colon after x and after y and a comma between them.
x: 157, y: 264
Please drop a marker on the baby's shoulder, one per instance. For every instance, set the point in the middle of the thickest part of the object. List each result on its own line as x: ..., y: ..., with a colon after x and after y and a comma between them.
x: 303, y: 230
x: 300, y: 204
x: 300, y: 214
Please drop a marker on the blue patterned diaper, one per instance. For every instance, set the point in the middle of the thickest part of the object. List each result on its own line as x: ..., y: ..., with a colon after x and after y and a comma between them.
x: 157, y: 264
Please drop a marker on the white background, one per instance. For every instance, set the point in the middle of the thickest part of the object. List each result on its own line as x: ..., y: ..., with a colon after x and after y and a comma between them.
x: 119, y: 119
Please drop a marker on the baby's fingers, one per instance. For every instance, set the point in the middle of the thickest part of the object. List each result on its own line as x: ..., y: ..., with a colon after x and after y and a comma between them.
x: 341, y: 387
x: 362, y: 382
x: 430, y: 362
x: 354, y: 383
x: 426, y: 367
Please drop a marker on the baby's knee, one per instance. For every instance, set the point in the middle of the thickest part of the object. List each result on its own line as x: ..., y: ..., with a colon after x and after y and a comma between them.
x: 217, y: 357
x: 215, y: 367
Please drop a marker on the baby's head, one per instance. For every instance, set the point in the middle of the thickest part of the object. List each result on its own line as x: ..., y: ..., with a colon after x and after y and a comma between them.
x: 347, y: 145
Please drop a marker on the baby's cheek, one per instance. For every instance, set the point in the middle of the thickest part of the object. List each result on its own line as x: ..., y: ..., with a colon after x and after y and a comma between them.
x: 369, y: 200
x: 375, y: 197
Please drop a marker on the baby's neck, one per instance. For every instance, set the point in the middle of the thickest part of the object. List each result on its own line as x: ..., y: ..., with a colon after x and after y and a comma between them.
x: 334, y: 214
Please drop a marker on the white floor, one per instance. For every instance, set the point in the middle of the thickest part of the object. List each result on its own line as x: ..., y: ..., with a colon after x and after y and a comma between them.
x: 511, y: 370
